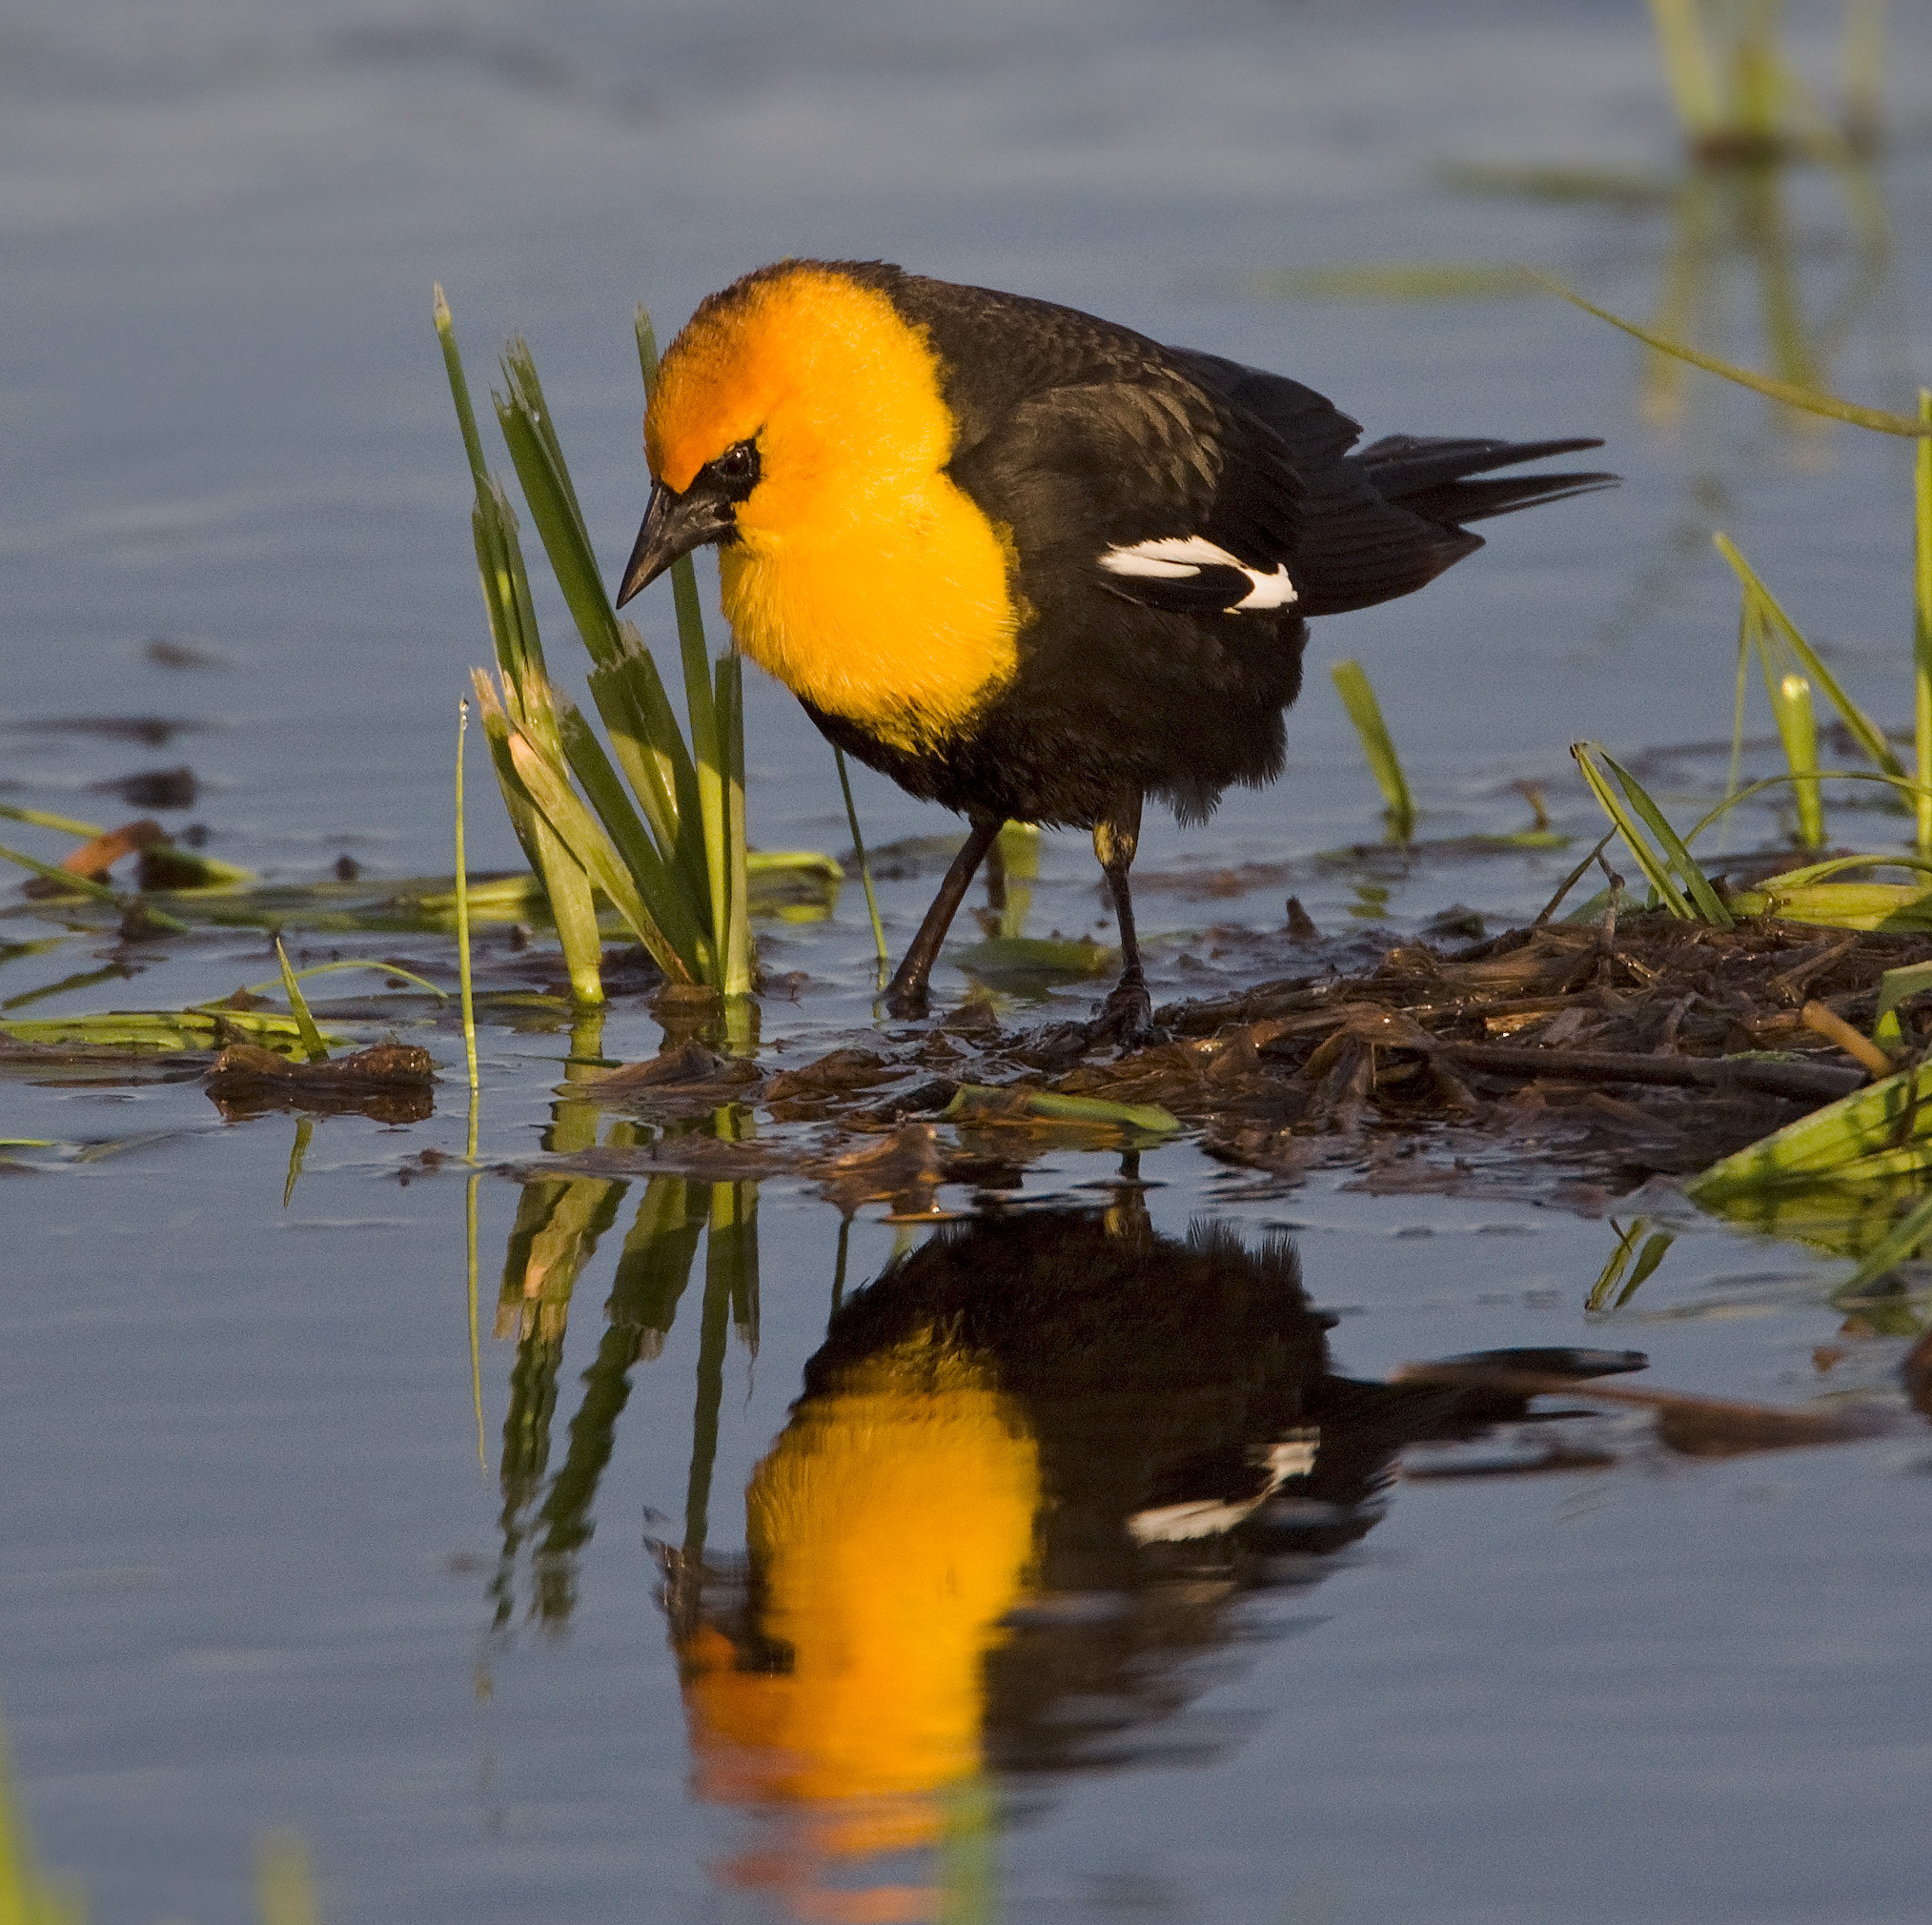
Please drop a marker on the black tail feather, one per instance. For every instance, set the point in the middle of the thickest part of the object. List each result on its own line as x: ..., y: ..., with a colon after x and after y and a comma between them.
x: 1430, y: 477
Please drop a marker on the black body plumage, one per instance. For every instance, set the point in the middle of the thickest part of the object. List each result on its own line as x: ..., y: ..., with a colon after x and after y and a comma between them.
x: 1169, y: 521
x: 1083, y: 437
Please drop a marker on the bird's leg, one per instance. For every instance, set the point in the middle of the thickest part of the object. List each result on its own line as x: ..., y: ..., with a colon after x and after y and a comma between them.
x: 1129, y: 1014
x: 905, y: 993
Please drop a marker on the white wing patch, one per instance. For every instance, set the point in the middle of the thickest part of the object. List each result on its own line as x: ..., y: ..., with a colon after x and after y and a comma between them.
x: 1176, y: 558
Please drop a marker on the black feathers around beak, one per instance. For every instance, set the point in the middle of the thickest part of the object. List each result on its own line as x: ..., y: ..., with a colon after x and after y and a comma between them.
x: 674, y: 525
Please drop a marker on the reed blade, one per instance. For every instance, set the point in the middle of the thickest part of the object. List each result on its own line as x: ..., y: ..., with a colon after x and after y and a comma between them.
x: 1358, y: 698
x: 1811, y: 400
x: 865, y: 867
x: 1656, y: 870
x: 1776, y: 626
x: 1922, y: 621
x: 312, y: 1046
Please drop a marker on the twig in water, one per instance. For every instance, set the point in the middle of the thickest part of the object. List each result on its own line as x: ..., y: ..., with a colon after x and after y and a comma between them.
x: 1570, y: 881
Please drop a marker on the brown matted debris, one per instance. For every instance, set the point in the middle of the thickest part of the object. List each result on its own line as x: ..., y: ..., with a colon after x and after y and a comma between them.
x: 1549, y: 1055
x: 1653, y: 1047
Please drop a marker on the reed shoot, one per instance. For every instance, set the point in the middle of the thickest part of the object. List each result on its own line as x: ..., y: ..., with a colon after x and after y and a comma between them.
x: 885, y: 959
x: 654, y: 824
x: 1921, y: 621
x: 1358, y: 698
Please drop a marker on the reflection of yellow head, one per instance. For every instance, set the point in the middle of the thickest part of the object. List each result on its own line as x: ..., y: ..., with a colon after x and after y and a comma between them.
x: 889, y: 1529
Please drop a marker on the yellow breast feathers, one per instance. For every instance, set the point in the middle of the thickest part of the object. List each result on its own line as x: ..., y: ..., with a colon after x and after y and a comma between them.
x: 861, y: 577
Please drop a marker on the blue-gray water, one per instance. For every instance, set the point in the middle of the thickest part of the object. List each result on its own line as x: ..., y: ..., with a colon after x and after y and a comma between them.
x: 247, y: 1574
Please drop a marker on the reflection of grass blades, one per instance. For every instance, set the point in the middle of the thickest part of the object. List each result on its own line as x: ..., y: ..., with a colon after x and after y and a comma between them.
x: 28, y: 1896
x: 667, y: 851
x: 1688, y: 67
x: 1358, y: 698
x: 1605, y: 1293
x: 284, y: 1880
x: 1886, y: 1255
x: 1737, y: 96
x: 1695, y: 901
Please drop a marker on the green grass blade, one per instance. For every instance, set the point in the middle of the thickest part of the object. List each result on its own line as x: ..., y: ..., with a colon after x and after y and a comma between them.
x: 373, y: 962
x: 1894, y: 987
x: 1656, y: 1246
x: 708, y: 748
x: 1866, y: 1131
x: 1358, y: 698
x: 1839, y: 866
x: 739, y: 961
x: 163, y: 1029
x: 464, y: 977
x: 79, y: 885
x: 1921, y: 618
x: 1656, y: 871
x: 506, y: 587
x: 712, y: 1335
x: 970, y: 1098
x: 565, y: 886
x: 642, y: 752
x: 1842, y: 905
x: 865, y: 867
x: 670, y: 750
x: 460, y: 389
x: 299, y: 1152
x: 312, y: 1046
x: 519, y: 371
x: 584, y: 837
x: 553, y: 504
x: 1603, y: 1291
x: 1696, y: 884
x: 660, y: 887
x: 1798, y: 730
x: 1810, y: 400
x: 39, y: 819
x: 1870, y: 737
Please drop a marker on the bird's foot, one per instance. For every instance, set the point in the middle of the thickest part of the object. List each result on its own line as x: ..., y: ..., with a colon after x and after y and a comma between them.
x: 906, y: 1001
x: 1127, y: 1018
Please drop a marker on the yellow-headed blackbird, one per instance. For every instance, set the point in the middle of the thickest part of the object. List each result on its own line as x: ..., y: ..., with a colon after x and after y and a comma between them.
x: 1028, y: 564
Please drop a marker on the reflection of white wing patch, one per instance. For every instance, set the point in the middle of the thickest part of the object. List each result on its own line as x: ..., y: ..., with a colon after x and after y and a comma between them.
x: 1292, y: 1457
x: 1175, y: 558
x: 1183, y: 1523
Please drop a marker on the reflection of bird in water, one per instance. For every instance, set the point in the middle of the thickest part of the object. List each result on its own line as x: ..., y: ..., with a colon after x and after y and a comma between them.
x: 1033, y: 1466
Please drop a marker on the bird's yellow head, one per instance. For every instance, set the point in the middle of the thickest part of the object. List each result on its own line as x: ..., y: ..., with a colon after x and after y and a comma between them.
x: 798, y: 423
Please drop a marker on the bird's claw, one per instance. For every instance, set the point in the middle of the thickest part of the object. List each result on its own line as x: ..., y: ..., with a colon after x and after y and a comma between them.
x: 1127, y: 1018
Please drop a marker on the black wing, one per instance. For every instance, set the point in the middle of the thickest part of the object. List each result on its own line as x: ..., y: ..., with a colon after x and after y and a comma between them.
x: 1382, y: 522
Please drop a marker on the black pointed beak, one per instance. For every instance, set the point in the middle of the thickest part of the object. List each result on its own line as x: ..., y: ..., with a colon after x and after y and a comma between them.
x: 674, y: 525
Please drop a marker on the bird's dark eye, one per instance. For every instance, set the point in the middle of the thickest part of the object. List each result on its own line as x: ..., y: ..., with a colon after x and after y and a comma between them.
x: 737, y: 468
